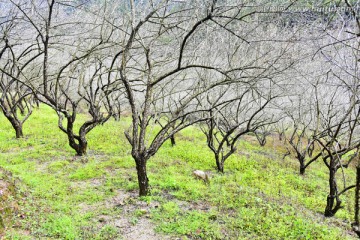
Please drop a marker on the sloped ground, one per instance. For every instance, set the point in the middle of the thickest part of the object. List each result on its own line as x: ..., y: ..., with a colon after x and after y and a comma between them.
x: 8, y: 201
x: 260, y: 196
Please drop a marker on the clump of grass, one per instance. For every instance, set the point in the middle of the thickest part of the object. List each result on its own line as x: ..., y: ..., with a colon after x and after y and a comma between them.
x: 107, y: 232
x: 87, y: 171
x: 195, y: 223
x: 59, y: 226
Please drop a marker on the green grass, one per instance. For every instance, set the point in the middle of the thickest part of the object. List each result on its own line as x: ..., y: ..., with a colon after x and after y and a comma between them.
x: 260, y: 196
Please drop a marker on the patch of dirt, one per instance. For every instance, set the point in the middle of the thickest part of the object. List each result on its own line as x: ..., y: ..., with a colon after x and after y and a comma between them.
x: 188, y: 206
x: 129, y: 224
x: 134, y: 227
x: 82, y: 185
x: 143, y: 229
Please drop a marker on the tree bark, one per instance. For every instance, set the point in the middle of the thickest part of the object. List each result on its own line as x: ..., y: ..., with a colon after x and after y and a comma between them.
x: 332, y: 198
x: 301, y: 158
x: 311, y: 149
x: 142, y: 177
x: 80, y: 147
x: 17, y: 127
x: 21, y: 108
x: 302, y: 170
x: 355, y: 225
x: 172, y: 139
x: 302, y: 167
x: 19, y: 131
x: 219, y: 164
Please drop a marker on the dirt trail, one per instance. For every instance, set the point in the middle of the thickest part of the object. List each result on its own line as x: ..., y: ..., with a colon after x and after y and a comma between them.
x: 129, y: 228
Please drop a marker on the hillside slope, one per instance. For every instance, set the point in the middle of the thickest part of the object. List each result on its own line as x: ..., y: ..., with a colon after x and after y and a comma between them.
x: 260, y: 196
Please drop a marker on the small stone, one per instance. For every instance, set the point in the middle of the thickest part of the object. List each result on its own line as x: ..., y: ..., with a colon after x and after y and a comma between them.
x: 143, y: 211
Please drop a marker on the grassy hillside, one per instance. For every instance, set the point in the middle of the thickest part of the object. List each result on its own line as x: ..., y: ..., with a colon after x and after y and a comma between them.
x: 260, y: 196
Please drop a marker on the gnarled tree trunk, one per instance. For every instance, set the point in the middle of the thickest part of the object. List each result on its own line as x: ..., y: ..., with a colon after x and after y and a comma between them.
x: 356, y: 222
x: 219, y: 165
x: 333, y: 203
x: 80, y: 147
x: 143, y: 180
x: 19, y: 131
x: 78, y: 143
x: 302, y: 166
x: 17, y: 126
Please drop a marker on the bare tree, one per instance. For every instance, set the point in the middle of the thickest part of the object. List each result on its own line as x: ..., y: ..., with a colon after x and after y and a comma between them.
x: 334, y: 150
x: 281, y: 127
x: 165, y: 45
x: 230, y: 119
x: 340, y: 118
x: 354, y: 31
x: 262, y: 133
x: 74, y: 71
x: 302, y: 115
x: 16, y: 99
x: 356, y: 222
x: 338, y: 113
